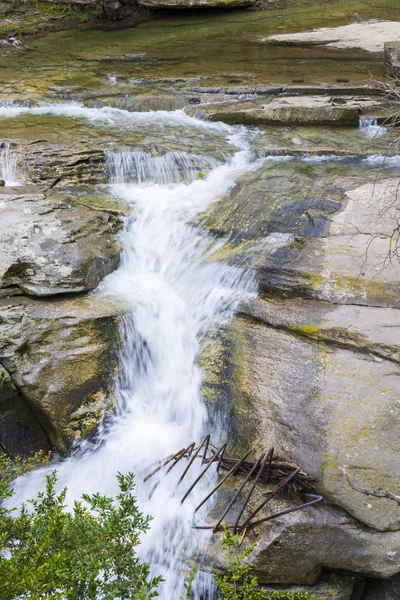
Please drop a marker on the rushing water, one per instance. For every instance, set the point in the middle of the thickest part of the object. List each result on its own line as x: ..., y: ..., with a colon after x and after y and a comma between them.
x: 8, y: 164
x: 174, y: 296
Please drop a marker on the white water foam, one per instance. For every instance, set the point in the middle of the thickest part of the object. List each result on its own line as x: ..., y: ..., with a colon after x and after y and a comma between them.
x: 8, y: 165
x: 174, y: 296
x: 369, y: 127
x: 113, y: 116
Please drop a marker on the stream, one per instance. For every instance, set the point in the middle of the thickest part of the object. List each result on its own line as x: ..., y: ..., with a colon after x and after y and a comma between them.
x: 174, y: 297
x: 125, y: 104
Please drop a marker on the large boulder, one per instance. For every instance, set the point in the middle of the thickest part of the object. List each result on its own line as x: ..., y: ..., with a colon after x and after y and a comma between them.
x: 331, y: 407
x: 54, y: 244
x: 62, y: 357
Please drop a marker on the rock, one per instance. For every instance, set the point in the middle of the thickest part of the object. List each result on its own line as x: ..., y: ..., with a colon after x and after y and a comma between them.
x: 330, y: 586
x: 350, y: 264
x: 54, y: 244
x: 20, y: 431
x: 332, y: 408
x: 291, y: 115
x: 388, y: 589
x: 369, y: 36
x: 184, y: 4
x: 294, y: 549
x: 363, y: 329
x: 62, y: 356
x: 391, y: 58
x: 285, y: 197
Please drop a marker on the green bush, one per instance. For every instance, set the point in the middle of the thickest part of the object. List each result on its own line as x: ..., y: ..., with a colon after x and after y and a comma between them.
x: 50, y: 553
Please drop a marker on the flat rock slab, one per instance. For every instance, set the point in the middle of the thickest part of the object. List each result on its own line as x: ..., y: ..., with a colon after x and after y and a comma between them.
x: 369, y: 36
x: 284, y: 113
x: 355, y: 263
x: 364, y: 329
x: 54, y: 244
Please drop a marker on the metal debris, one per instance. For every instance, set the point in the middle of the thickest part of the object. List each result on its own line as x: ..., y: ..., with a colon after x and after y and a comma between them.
x: 262, y: 470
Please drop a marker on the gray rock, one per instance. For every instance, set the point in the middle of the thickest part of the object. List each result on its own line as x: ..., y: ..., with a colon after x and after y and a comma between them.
x: 326, y: 407
x: 54, y: 244
x: 292, y: 115
x: 62, y: 356
x: 330, y: 586
x: 296, y: 548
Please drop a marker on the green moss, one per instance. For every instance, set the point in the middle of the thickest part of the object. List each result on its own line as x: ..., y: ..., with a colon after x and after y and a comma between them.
x: 37, y: 17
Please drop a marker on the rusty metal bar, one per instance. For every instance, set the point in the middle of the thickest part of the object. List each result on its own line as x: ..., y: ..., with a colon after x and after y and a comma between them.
x: 181, y: 455
x: 231, y: 472
x: 222, y: 456
x: 239, y: 490
x: 276, y: 491
x: 201, y: 475
x: 206, y: 441
x: 289, y: 510
x: 267, y: 458
x: 191, y: 461
x: 163, y: 464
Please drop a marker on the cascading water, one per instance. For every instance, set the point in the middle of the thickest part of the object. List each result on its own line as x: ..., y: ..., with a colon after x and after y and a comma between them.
x: 8, y: 165
x: 369, y: 126
x: 174, y: 296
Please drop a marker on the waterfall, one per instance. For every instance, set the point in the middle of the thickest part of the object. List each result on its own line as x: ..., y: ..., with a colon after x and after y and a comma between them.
x: 143, y: 167
x: 174, y: 297
x: 369, y: 126
x: 8, y: 165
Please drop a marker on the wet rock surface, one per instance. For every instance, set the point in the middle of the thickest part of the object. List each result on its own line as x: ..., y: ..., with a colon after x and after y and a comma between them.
x: 62, y: 359
x: 54, y: 244
x: 296, y: 548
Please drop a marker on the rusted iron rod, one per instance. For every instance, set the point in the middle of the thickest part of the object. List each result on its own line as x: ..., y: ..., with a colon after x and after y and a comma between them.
x: 276, y: 491
x: 289, y: 510
x: 239, y: 490
x: 284, y: 512
x: 201, y: 475
x: 269, y: 462
x: 163, y: 464
x: 181, y: 455
x: 193, y: 458
x: 206, y: 442
x: 267, y: 458
x: 222, y: 455
x: 231, y: 472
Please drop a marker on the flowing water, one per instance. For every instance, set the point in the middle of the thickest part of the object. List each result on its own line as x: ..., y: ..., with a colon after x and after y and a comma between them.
x: 169, y: 167
x: 8, y: 165
x: 174, y: 296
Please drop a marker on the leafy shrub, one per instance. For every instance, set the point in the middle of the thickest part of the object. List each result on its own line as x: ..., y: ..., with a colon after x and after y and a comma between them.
x: 50, y: 553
